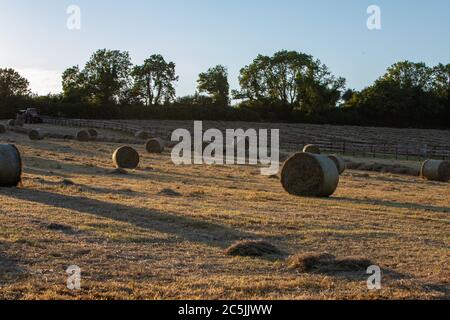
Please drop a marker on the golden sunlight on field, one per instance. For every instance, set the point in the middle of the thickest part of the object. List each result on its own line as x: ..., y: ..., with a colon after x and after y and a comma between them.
x: 162, y: 231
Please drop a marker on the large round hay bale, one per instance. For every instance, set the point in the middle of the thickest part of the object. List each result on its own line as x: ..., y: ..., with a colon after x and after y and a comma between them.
x: 11, y: 122
x: 35, y: 134
x: 10, y: 165
x: 19, y: 122
x: 339, y: 162
x: 83, y: 136
x: 436, y: 170
x: 311, y: 148
x: 154, y: 146
x: 309, y: 175
x: 126, y: 158
x: 143, y: 135
x: 2, y: 128
x: 93, y: 133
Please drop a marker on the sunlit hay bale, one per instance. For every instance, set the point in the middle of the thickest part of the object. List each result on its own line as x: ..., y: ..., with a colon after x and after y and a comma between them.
x: 306, y: 262
x: 126, y: 158
x: 93, y: 134
x: 35, y: 134
x: 311, y: 148
x: 11, y: 122
x: 10, y: 165
x: 339, y: 162
x: 2, y: 128
x: 143, y: 135
x: 252, y: 248
x: 309, y: 175
x: 83, y: 136
x: 154, y: 146
x: 436, y: 170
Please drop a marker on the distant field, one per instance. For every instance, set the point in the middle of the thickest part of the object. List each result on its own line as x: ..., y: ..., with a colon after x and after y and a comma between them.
x: 160, y: 231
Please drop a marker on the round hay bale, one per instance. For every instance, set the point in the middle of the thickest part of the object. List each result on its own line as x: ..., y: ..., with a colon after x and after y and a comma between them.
x: 126, y: 158
x: 19, y: 122
x: 339, y: 162
x: 309, y: 175
x: 436, y: 170
x: 143, y: 135
x: 10, y: 165
x: 83, y: 136
x: 93, y: 133
x: 11, y: 122
x: 154, y: 146
x: 35, y: 134
x: 2, y: 128
x: 311, y: 148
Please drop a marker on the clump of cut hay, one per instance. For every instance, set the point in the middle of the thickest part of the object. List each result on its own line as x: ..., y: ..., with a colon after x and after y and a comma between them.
x: 252, y: 248
x: 83, y: 136
x: 11, y: 122
x: 35, y: 134
x: 339, y: 162
x: 327, y: 263
x: 311, y: 148
x: 309, y: 175
x: 143, y: 135
x: 10, y: 166
x: 93, y: 133
x: 2, y: 129
x: 126, y: 158
x: 154, y: 146
x: 436, y: 170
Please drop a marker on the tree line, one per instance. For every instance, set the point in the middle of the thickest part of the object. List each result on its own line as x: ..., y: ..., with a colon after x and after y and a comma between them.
x: 288, y: 86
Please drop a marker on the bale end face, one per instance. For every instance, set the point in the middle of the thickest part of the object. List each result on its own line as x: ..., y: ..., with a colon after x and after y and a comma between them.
x: 311, y: 148
x: 309, y: 175
x: 83, y: 136
x: 436, y: 170
x: 35, y: 135
x: 154, y: 146
x: 126, y: 158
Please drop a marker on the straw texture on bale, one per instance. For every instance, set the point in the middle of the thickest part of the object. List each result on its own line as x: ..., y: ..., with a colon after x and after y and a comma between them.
x: 339, y: 162
x: 311, y: 148
x: 436, y: 170
x: 154, y: 146
x: 2, y: 128
x: 83, y: 136
x: 142, y: 135
x: 11, y: 122
x: 126, y: 158
x: 35, y: 134
x: 93, y: 133
x: 10, y: 165
x: 309, y: 175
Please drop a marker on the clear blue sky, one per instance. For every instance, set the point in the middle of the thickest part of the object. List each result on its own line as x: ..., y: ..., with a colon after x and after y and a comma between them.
x: 198, y: 34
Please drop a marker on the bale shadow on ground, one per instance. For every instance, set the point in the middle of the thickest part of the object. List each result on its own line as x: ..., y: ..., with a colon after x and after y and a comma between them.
x: 10, y: 271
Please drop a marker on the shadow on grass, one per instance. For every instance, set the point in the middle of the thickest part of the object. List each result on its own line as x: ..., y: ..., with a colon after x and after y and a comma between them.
x: 10, y: 271
x: 187, y: 228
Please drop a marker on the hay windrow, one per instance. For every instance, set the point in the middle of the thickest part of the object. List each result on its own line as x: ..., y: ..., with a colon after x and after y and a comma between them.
x: 309, y: 175
x: 339, y: 162
x: 126, y: 158
x: 154, y: 146
x: 311, y: 148
x: 83, y: 136
x: 435, y: 170
x: 252, y: 248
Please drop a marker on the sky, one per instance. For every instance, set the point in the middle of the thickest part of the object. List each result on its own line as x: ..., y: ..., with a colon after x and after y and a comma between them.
x: 199, y: 34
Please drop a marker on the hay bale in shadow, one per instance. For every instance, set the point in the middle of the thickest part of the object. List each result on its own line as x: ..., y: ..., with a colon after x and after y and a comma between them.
x: 435, y: 170
x: 143, y: 135
x: 252, y: 248
x: 11, y: 122
x: 2, y: 128
x: 154, y: 146
x: 311, y: 148
x: 83, y: 136
x: 10, y: 166
x: 126, y: 158
x: 339, y: 162
x: 19, y: 122
x: 35, y: 134
x: 309, y: 175
x: 93, y: 133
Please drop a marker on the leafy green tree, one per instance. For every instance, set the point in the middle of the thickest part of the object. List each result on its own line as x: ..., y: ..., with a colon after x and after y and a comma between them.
x: 215, y: 83
x: 154, y: 81
x: 104, y: 79
x: 12, y: 84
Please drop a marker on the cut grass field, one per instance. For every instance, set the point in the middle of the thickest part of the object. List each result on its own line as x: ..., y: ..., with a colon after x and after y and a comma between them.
x: 161, y: 231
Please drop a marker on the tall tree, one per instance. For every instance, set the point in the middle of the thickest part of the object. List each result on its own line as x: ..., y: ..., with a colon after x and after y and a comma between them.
x: 215, y: 83
x: 154, y: 80
x: 12, y: 84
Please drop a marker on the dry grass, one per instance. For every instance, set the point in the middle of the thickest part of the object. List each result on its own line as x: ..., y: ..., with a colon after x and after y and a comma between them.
x: 133, y: 241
